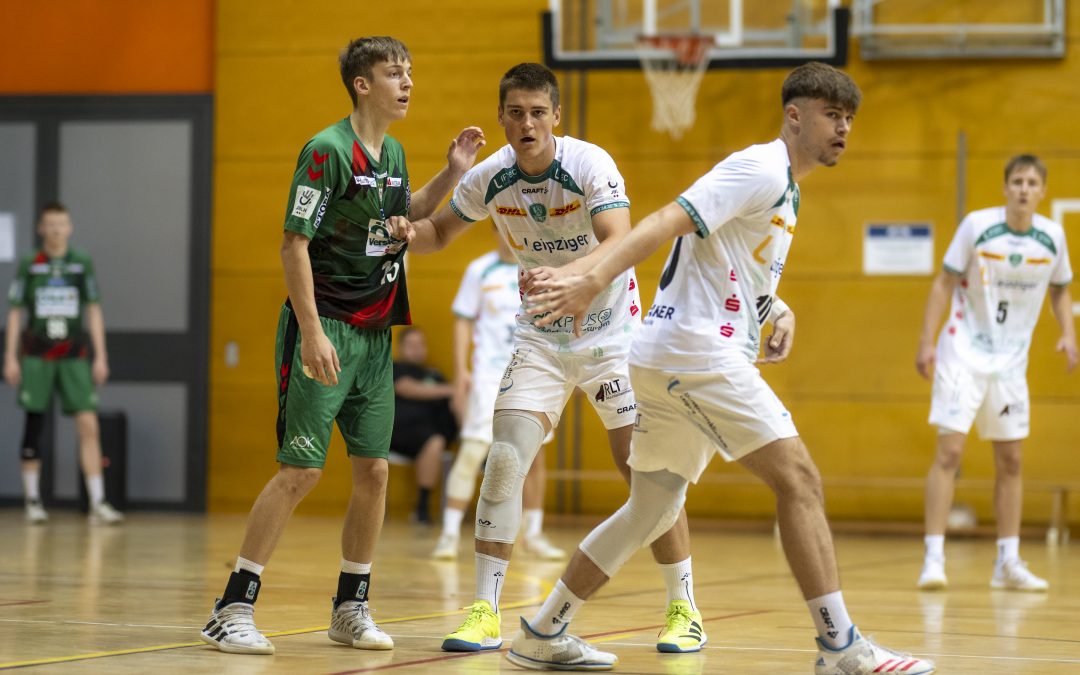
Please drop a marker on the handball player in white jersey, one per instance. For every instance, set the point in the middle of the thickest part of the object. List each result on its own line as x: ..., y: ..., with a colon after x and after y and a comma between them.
x: 698, y: 389
x: 485, y: 315
x: 996, y: 273
x: 560, y: 204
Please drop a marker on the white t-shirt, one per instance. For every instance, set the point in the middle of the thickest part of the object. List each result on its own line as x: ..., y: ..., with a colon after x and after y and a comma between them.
x: 547, y: 221
x: 1004, y: 275
x: 488, y: 296
x: 718, y: 286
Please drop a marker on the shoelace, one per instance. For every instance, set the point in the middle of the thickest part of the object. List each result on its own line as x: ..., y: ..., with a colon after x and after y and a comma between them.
x: 476, y: 615
x: 677, y: 612
x: 238, y: 622
x: 356, y: 615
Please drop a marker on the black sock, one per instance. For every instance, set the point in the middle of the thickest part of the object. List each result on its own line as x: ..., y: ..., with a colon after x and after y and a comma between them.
x: 422, y: 504
x: 243, y: 586
x: 352, y: 587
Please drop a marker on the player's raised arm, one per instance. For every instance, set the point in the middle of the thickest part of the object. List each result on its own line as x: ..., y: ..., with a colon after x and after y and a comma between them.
x: 459, y: 159
x: 428, y: 235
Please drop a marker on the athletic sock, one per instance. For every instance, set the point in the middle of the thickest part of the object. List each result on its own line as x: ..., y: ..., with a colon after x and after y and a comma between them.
x: 451, y: 520
x: 831, y: 619
x: 422, y: 505
x: 679, y: 578
x: 353, y: 582
x: 490, y: 578
x: 1008, y: 549
x: 31, y: 479
x: 935, y: 546
x: 243, y: 564
x: 243, y: 587
x: 558, y: 609
x: 534, y: 522
x: 95, y: 489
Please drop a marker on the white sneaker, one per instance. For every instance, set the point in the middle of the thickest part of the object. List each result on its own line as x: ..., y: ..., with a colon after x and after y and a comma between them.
x: 447, y: 548
x: 232, y: 629
x: 540, y: 547
x: 556, y: 652
x: 933, y: 575
x: 1013, y: 575
x: 35, y: 512
x: 351, y: 624
x: 105, y: 514
x: 862, y: 657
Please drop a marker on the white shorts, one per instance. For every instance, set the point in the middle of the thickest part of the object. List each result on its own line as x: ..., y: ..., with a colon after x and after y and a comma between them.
x: 998, y: 404
x: 685, y: 417
x: 481, y: 408
x: 542, y: 380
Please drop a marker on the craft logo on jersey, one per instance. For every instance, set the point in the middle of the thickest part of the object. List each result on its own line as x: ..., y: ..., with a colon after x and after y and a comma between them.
x: 1015, y: 259
x: 307, y: 198
x: 538, y: 212
x: 610, y: 390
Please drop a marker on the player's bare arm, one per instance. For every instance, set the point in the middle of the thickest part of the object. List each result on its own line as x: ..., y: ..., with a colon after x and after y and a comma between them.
x: 609, y: 227
x: 317, y: 353
x: 428, y: 235
x: 95, y: 323
x: 778, y: 346
x: 459, y: 159
x: 12, y: 371
x: 463, y: 330
x: 1061, y: 305
x: 572, y: 295
x: 940, y: 292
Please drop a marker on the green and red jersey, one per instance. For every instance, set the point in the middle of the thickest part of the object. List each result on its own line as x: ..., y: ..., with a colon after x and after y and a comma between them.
x: 55, y: 292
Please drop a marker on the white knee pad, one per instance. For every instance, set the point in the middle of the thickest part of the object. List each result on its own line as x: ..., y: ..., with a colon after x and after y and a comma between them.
x: 517, y: 440
x: 656, y: 497
x: 462, y: 479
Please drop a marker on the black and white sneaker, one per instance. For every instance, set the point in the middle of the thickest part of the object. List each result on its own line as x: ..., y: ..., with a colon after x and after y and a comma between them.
x: 232, y: 629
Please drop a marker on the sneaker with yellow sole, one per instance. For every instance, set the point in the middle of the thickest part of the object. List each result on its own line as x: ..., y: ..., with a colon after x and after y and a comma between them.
x: 684, y: 631
x: 479, y: 632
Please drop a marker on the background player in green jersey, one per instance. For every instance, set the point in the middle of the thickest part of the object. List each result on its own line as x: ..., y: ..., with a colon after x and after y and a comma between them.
x: 346, y: 283
x: 56, y: 286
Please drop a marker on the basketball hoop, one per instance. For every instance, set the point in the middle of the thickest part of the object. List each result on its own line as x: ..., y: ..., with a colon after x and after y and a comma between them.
x: 674, y: 66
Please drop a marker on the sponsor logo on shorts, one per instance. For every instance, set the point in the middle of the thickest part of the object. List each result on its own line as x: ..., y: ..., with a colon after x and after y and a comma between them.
x: 697, y: 415
x: 302, y: 443
x: 307, y: 198
x: 625, y: 409
x: 1018, y: 408
x: 613, y: 389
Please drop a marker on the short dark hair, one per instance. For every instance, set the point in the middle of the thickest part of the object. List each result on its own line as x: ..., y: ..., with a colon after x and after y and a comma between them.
x: 51, y: 207
x: 531, y: 77
x: 821, y: 81
x: 1023, y: 162
x: 359, y: 57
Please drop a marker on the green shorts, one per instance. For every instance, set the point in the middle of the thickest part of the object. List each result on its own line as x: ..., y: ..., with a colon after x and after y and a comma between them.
x: 362, y: 402
x: 71, y: 376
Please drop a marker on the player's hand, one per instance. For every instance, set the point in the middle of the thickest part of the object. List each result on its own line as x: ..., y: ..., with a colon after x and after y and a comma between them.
x: 320, y: 359
x: 99, y: 370
x: 1067, y: 345
x: 778, y: 346
x: 554, y: 299
x: 12, y: 372
x: 459, y: 400
x: 528, y: 279
x: 462, y: 153
x: 401, y: 231
x: 925, y: 359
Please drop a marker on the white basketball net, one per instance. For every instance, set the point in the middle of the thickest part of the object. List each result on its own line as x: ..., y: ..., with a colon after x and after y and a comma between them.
x: 674, y: 66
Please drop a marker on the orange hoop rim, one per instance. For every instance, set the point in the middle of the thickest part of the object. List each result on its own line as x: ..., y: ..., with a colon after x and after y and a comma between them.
x: 688, y: 49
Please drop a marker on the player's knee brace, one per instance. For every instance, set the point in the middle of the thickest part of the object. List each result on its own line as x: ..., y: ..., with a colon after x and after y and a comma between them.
x: 31, y: 443
x: 462, y: 479
x: 517, y: 439
x: 656, y: 497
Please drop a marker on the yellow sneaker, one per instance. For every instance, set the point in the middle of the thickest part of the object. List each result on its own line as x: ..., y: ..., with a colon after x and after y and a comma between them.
x: 479, y: 631
x: 684, y: 631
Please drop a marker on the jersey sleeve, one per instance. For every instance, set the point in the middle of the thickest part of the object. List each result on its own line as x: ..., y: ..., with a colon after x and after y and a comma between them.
x: 735, y: 187
x: 90, y: 292
x: 604, y: 187
x: 468, y: 199
x: 958, y: 255
x: 315, y: 182
x: 17, y: 291
x: 467, y: 301
x: 1062, y: 274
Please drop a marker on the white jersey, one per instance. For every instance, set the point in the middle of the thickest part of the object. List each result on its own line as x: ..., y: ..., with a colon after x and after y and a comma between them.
x: 718, y: 286
x: 488, y: 296
x: 1004, y: 275
x: 547, y: 221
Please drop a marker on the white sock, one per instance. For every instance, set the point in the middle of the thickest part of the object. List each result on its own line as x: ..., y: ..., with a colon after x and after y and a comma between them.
x: 350, y: 567
x: 248, y: 566
x: 534, y: 522
x: 935, y: 546
x: 31, y: 480
x: 490, y: 578
x: 679, y: 578
x: 451, y: 521
x: 831, y: 619
x: 558, y: 609
x: 1008, y: 549
x: 95, y: 489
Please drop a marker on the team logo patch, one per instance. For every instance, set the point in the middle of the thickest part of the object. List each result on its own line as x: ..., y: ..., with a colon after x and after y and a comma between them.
x: 307, y: 198
x: 1015, y: 259
x: 538, y: 212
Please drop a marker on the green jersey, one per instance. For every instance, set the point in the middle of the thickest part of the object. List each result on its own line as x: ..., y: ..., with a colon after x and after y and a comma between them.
x: 340, y: 199
x: 55, y: 292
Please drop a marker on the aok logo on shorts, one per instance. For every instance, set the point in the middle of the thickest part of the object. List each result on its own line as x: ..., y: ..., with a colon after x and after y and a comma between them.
x: 612, y: 389
x: 302, y: 443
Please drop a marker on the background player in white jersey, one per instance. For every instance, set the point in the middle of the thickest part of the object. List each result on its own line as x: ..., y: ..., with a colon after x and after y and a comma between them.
x: 558, y: 202
x: 996, y: 273
x: 698, y: 390
x: 485, y: 313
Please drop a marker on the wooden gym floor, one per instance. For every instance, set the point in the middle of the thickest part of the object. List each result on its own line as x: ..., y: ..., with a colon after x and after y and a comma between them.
x: 131, y: 599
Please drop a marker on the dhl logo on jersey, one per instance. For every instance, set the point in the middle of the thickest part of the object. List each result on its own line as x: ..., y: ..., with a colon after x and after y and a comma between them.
x: 509, y: 211
x: 778, y: 221
x: 563, y: 210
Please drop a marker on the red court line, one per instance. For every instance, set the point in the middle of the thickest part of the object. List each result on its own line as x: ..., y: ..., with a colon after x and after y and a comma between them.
x: 462, y: 655
x: 15, y: 603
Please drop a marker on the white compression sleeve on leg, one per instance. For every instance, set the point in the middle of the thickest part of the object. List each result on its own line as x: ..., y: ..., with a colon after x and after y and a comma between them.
x: 462, y: 479
x: 518, y: 436
x: 655, y: 500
